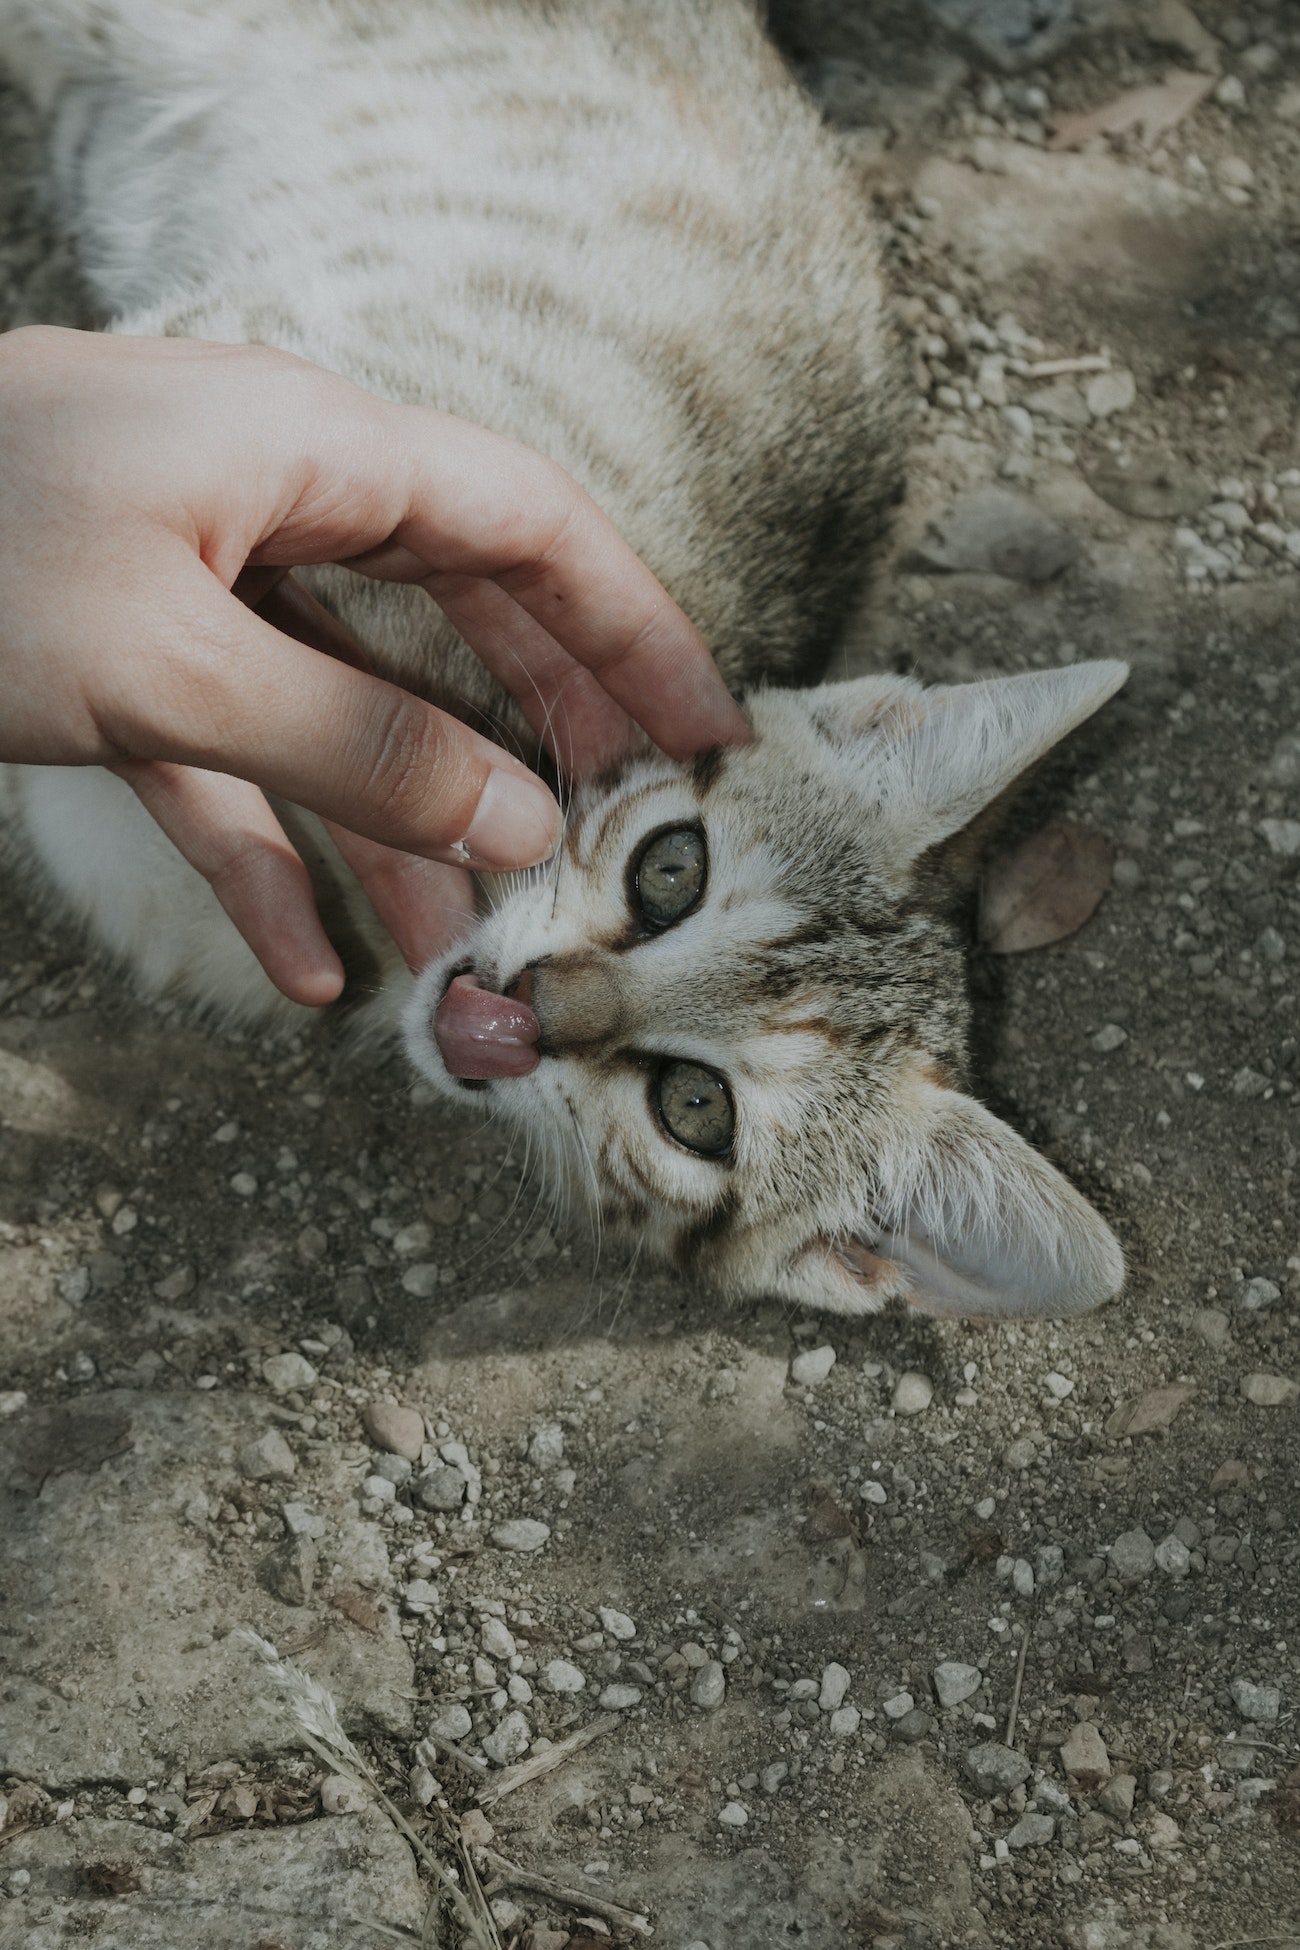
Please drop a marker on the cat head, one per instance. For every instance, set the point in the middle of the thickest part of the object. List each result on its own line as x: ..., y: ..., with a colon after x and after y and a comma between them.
x: 732, y: 1011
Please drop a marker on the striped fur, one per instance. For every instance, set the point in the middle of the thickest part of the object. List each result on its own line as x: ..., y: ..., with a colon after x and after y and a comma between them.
x: 615, y: 230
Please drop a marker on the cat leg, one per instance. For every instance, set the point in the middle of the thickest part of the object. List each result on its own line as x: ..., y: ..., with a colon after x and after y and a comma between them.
x: 137, y: 897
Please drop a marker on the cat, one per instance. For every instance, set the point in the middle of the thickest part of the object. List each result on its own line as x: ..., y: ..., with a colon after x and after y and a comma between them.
x: 732, y: 1011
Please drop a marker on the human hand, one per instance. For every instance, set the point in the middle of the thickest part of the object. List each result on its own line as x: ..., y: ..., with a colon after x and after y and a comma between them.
x: 147, y: 484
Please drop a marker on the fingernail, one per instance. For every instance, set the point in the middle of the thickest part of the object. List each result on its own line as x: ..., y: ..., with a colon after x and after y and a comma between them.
x: 516, y: 822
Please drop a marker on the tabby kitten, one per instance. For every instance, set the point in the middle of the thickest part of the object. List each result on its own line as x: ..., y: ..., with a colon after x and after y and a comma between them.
x: 733, y: 1009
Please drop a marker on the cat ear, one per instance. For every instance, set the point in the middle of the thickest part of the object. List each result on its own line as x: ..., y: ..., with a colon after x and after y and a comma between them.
x: 938, y: 757
x: 969, y: 1219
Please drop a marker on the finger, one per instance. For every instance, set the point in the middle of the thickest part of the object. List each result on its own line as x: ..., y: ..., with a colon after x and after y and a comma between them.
x: 221, y: 690
x: 425, y: 905
x: 578, y: 721
x: 478, y: 505
x: 226, y: 830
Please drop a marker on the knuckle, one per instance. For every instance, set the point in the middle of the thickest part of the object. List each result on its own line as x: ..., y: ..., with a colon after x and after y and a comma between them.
x: 406, y: 765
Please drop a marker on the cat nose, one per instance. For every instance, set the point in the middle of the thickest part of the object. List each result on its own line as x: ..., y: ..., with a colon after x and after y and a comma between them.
x: 521, y: 989
x: 578, y: 1001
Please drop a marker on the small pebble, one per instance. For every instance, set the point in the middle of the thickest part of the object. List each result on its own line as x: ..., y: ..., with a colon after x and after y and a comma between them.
x: 913, y: 1393
x: 954, y: 1682
x: 1132, y: 1556
x: 1173, y: 1556
x: 1084, y: 1756
x: 562, y: 1676
x: 283, y: 1373
x: 619, y: 1699
x: 1032, y: 1831
x: 509, y: 1740
x: 897, y: 1705
x: 497, y: 1641
x: 617, y: 1623
x: 813, y: 1366
x: 520, y: 1534
x: 267, y: 1458
x: 1112, y: 1037
x: 1269, y: 1390
x: 1258, y: 1703
x: 995, y: 1769
x: 845, y: 1721
x: 734, y: 1815
x: 546, y: 1448
x: 835, y: 1684
x: 451, y: 1722
x: 709, y: 1686
x: 341, y: 1796
x: 398, y: 1430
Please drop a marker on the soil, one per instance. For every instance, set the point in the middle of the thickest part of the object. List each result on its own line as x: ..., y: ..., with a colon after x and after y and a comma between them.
x: 180, y: 1207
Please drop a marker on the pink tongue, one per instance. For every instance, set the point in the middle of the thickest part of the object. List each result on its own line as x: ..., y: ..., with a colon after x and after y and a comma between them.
x: 481, y: 1034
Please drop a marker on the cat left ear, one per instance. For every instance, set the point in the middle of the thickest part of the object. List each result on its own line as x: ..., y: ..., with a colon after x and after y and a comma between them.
x: 969, y: 1220
x: 942, y: 756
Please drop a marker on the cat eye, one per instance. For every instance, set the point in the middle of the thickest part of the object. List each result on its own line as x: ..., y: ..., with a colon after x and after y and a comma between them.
x: 696, y: 1108
x: 668, y: 879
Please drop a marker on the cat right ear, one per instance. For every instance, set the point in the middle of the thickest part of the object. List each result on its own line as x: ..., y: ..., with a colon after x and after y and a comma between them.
x: 935, y: 759
x: 969, y: 1220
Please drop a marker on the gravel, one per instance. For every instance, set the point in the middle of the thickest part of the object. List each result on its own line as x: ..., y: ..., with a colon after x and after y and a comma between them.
x: 812, y: 1367
x: 954, y: 1682
x: 520, y: 1534
x: 1132, y: 1555
x: 562, y: 1676
x: 398, y: 1430
x: 509, y: 1740
x: 709, y: 1686
x: 268, y: 1459
x: 835, y: 1684
x: 913, y: 1393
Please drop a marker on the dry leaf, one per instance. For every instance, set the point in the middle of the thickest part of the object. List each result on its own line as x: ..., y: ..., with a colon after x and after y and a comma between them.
x: 68, y: 1435
x: 825, y: 1517
x: 1152, y: 111
x: 362, y: 1611
x: 1149, y: 1413
x: 1045, y: 888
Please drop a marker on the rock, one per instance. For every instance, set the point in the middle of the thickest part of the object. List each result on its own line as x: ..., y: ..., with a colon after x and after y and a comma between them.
x: 620, y: 1699
x: 835, y: 1684
x: 1058, y: 1386
x: 412, y: 1239
x: 617, y: 1623
x: 443, y: 1488
x: 994, y: 532
x: 1270, y: 1390
x: 420, y: 1597
x: 422, y: 1280
x: 1213, y: 1326
x: 1050, y: 1798
x: 913, y: 1726
x: 994, y: 1769
x: 451, y: 1722
x: 546, y: 1449
x: 1016, y: 34
x: 1258, y: 1703
x: 913, y: 1393
x: 1283, y: 836
x: 395, y: 1469
x: 1020, y: 1453
x: 845, y: 1721
x: 496, y: 1639
x: 268, y: 1458
x: 1109, y: 1039
x: 562, y: 1676
x: 722, y: 1385
x: 897, y: 1705
x: 1173, y: 1556
x: 1162, y: 488
x: 812, y: 1367
x: 734, y: 1815
x: 1148, y: 1413
x: 709, y: 1686
x: 519, y: 1689
x: 12, y: 1401
x: 1163, y: 1831
x: 283, y: 1373
x: 773, y: 1775
x: 379, y: 1489
x: 289, y: 1572
x: 1032, y: 1831
x: 1132, y: 1556
x: 1060, y: 400
x: 299, y: 1521
x: 1230, y: 1475
x: 1084, y: 1756
x: 1110, y: 392
x: 398, y: 1431
x: 1022, y: 1578
x: 340, y: 1795
x: 509, y: 1740
x: 954, y: 1682
x: 1258, y: 1295
x: 1116, y: 1798
x: 1049, y: 1566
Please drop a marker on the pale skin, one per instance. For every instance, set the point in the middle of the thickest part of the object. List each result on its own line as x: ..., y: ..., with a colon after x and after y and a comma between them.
x: 152, y: 491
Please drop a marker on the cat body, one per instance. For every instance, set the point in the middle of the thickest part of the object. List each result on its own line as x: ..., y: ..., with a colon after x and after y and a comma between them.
x: 615, y: 230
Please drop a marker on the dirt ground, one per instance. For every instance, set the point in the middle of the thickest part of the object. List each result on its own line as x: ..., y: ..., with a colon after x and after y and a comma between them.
x: 222, y: 1261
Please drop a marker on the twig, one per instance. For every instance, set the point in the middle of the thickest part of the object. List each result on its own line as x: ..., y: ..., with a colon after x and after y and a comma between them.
x: 1010, y: 1740
x: 458, y: 1754
x: 536, y: 1765
x: 1250, y: 1942
x: 384, y: 1929
x: 1058, y: 368
x: 509, y: 1875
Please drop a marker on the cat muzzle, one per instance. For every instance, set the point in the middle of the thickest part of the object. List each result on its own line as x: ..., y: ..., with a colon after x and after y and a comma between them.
x: 481, y: 1034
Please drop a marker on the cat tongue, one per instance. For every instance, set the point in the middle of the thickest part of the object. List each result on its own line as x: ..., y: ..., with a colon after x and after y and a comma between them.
x: 481, y: 1034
